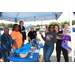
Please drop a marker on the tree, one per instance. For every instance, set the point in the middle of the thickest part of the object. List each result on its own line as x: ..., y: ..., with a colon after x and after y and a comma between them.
x: 52, y: 23
x: 2, y: 24
x: 73, y: 22
x: 62, y: 24
x: 10, y: 25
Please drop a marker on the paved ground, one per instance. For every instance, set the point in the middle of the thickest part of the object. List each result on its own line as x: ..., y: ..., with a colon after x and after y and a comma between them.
x: 53, y: 57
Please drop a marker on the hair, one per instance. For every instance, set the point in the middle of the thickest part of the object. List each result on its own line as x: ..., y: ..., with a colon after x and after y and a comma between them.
x: 50, y: 26
x: 20, y: 22
x: 14, y: 26
x: 46, y: 26
x: 57, y: 26
x: 66, y: 23
x: 31, y: 27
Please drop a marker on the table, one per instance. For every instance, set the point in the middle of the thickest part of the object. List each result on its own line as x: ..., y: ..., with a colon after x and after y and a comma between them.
x: 26, y: 59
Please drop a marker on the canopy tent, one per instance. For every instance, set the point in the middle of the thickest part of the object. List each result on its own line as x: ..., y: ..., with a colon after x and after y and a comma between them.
x: 29, y: 16
x: 35, y: 16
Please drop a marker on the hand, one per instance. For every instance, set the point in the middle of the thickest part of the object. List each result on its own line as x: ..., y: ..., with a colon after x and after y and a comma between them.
x: 23, y: 44
x: 66, y: 41
x: 59, y: 34
x: 16, y: 48
x: 58, y: 37
x: 11, y: 53
x: 40, y: 33
x: 29, y: 38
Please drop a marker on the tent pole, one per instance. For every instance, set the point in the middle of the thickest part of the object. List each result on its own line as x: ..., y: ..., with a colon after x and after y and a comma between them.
x: 71, y: 36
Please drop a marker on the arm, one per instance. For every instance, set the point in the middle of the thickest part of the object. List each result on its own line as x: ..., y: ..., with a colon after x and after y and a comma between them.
x: 15, y: 44
x: 58, y: 38
x: 44, y: 38
x: 36, y: 35
x: 54, y: 37
x: 4, y: 44
x: 29, y: 38
x: 64, y: 33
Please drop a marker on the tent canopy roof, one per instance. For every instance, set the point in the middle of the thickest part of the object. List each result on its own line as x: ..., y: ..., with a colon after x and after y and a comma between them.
x: 29, y: 16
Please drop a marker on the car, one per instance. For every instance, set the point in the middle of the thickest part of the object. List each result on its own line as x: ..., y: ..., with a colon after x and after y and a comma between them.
x: 36, y: 29
x: 42, y: 29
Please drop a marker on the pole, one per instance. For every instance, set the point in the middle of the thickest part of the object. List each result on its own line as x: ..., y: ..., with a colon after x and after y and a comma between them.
x: 71, y: 36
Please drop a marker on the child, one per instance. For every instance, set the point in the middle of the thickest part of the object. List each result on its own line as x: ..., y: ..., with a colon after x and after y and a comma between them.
x: 65, y: 32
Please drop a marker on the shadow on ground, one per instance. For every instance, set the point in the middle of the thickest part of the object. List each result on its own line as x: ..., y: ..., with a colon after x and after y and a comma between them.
x: 54, y: 59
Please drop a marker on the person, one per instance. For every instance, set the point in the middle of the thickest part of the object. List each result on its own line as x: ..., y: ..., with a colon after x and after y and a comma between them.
x: 17, y: 37
x: 5, y: 44
x: 65, y: 32
x: 0, y: 45
x: 46, y: 29
x: 58, y: 45
x: 50, y: 39
x: 22, y: 30
x: 32, y: 34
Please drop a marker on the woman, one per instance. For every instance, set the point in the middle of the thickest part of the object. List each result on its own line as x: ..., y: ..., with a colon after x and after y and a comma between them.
x: 50, y: 39
x: 17, y: 37
x: 58, y: 46
x: 5, y: 44
x: 32, y: 34
x: 46, y: 29
x: 22, y: 30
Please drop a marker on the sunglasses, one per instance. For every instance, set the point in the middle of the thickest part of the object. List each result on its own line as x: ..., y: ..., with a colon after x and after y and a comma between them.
x: 6, y: 29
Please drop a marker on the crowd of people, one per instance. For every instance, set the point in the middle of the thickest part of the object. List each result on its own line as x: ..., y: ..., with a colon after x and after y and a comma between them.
x: 17, y: 37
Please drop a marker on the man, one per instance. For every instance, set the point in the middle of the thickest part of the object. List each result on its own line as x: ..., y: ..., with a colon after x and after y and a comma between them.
x: 5, y: 45
x: 22, y: 30
x: 32, y: 34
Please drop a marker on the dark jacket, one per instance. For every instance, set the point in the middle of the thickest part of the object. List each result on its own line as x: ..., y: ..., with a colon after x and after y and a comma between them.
x: 23, y: 32
x: 6, y: 43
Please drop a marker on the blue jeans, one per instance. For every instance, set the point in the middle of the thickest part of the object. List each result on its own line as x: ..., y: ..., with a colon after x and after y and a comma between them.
x: 47, y: 51
x: 5, y: 54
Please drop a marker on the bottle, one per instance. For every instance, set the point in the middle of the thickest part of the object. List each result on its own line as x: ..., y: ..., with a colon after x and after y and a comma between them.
x: 31, y: 56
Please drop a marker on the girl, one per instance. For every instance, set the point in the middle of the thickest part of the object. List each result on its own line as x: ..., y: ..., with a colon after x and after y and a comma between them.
x: 65, y: 32
x: 50, y: 39
x: 66, y: 29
